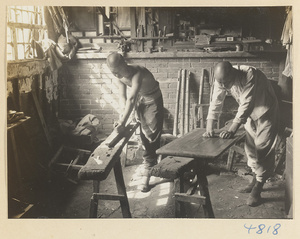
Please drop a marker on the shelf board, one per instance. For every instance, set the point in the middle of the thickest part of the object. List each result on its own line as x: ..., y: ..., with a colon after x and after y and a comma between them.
x: 150, y: 38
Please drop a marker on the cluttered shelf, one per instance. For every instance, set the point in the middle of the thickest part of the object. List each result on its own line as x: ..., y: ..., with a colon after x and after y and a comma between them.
x: 188, y: 53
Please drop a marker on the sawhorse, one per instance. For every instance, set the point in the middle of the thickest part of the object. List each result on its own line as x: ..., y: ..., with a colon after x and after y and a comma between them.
x: 98, y: 167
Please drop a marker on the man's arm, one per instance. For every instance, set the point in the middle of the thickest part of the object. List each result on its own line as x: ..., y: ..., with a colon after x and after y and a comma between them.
x: 246, y: 98
x: 130, y: 101
x: 122, y: 96
x: 245, y: 107
x: 215, y: 109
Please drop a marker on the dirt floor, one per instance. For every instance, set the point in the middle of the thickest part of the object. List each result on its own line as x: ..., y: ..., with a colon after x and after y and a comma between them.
x: 60, y: 198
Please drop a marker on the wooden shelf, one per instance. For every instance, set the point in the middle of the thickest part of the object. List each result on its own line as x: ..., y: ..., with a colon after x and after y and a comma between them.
x: 103, y: 37
x: 150, y: 38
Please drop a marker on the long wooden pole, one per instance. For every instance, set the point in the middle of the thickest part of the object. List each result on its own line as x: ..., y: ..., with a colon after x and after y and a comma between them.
x: 187, y: 103
x: 200, y: 100
x: 175, y: 127
x: 182, y: 101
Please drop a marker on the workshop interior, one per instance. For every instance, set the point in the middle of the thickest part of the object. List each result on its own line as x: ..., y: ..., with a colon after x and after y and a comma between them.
x: 69, y: 157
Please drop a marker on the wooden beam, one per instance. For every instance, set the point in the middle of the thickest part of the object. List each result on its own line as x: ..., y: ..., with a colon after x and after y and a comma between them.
x: 182, y: 100
x: 182, y: 197
x: 25, y: 25
x: 26, y: 68
x: 200, y: 109
x: 175, y: 127
x: 133, y: 22
x: 107, y: 196
x: 187, y: 103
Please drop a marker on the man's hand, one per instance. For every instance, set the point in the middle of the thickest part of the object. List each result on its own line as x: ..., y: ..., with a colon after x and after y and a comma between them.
x: 119, y: 127
x: 209, y: 129
x: 209, y: 134
x: 226, y: 134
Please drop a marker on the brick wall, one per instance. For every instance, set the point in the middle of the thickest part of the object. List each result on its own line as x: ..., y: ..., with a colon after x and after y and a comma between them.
x: 88, y: 87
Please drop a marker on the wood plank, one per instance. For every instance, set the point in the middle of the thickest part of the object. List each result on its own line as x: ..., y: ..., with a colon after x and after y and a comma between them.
x: 132, y: 22
x: 200, y: 170
x: 122, y: 189
x: 238, y: 149
x: 26, y: 25
x: 94, y: 201
x: 115, y: 137
x: 230, y: 158
x: 107, y: 196
x: 193, y: 145
x: 150, y: 33
x: 175, y: 127
x: 72, y: 166
x: 15, y: 45
x: 140, y: 33
x: 187, y: 104
x: 16, y: 124
x: 183, y: 197
x: 182, y: 100
x: 103, y: 158
x: 200, y: 109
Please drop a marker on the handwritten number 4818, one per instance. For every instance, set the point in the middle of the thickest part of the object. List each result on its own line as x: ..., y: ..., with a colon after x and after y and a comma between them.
x: 261, y: 228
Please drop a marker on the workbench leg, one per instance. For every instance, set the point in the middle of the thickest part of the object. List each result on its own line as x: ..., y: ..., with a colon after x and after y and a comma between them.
x: 201, y: 170
x: 179, y: 205
x: 94, y: 200
x: 231, y: 156
x: 122, y: 189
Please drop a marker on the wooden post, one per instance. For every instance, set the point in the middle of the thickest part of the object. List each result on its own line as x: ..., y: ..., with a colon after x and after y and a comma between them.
x: 212, y: 80
x: 175, y: 128
x: 187, y: 104
x: 182, y: 100
x: 122, y: 189
x: 132, y: 22
x: 94, y: 201
x: 200, y: 111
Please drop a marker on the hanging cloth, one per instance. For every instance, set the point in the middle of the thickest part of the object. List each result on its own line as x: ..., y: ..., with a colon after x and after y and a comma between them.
x: 287, y: 41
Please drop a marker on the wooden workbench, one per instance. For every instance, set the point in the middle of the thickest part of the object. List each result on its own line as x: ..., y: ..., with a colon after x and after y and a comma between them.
x: 100, y: 163
x: 194, y: 145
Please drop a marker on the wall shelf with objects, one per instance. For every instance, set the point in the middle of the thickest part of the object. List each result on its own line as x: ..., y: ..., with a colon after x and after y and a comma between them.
x: 177, y: 54
x: 213, y: 29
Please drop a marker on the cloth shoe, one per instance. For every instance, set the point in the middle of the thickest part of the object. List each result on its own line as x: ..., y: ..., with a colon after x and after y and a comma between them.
x: 254, y: 198
x: 249, y: 187
x: 146, y: 166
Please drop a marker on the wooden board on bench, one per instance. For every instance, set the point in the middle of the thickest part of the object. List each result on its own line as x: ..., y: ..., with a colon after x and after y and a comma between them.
x: 103, y: 159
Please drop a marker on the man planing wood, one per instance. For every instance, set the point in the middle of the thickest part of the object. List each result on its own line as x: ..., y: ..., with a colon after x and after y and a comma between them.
x: 146, y: 98
x: 258, y: 111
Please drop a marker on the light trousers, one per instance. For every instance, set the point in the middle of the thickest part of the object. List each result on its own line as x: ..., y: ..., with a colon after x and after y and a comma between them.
x: 261, y: 136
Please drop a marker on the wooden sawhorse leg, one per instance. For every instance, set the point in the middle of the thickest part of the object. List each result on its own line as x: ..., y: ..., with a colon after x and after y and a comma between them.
x: 179, y: 204
x: 200, y: 170
x: 121, y: 196
x: 189, y: 196
x: 122, y: 190
x: 94, y: 200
